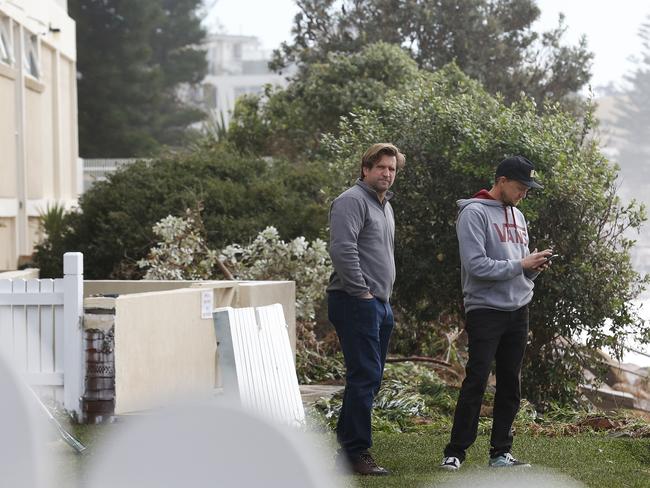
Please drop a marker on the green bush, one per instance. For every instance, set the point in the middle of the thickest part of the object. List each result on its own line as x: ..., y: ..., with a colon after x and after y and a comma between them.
x: 453, y: 134
x: 241, y: 195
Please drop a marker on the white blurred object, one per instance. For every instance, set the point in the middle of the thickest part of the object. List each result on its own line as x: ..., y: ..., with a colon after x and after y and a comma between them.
x: 20, y: 451
x: 506, y: 477
x: 208, y: 446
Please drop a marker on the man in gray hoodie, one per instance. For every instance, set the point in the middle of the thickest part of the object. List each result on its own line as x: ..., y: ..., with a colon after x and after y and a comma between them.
x: 497, y: 273
x: 362, y: 233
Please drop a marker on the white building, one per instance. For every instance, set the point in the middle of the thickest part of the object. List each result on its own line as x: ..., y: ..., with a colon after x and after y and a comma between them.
x: 237, y: 65
x: 38, y: 120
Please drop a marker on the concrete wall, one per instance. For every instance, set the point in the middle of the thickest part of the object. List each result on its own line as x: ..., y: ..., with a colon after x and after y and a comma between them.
x: 38, y: 122
x: 164, y: 349
x: 23, y: 274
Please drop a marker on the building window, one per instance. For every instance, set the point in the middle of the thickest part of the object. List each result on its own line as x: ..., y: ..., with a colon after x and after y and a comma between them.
x: 6, y: 47
x: 31, y: 58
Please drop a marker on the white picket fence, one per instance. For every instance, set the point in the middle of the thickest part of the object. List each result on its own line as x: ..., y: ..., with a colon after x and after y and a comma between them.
x: 41, y: 331
x: 256, y: 362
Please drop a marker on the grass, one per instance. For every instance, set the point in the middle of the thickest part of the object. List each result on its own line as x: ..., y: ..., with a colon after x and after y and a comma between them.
x: 593, y: 459
x: 412, y: 421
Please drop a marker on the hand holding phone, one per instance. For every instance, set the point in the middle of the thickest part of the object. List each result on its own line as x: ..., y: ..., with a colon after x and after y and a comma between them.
x: 551, y: 258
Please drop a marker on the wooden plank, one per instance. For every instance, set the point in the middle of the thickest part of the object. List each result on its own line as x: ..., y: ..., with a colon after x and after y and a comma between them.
x: 239, y: 351
x: 47, y: 330
x: 269, y: 371
x: 257, y: 364
x: 31, y: 298
x: 33, y: 330
x: 287, y: 379
x: 58, y: 330
x: 6, y: 323
x: 262, y: 356
x: 286, y: 365
x: 20, y: 328
x: 284, y: 404
x: 248, y: 349
x: 73, y: 357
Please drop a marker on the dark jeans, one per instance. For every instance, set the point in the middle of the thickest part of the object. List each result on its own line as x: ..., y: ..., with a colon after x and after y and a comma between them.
x: 363, y: 327
x: 492, y: 334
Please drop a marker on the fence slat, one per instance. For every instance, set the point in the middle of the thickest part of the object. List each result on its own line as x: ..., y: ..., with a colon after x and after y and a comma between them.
x: 255, y: 347
x: 41, y: 331
x: 73, y: 354
x: 20, y: 328
x: 6, y: 324
x: 269, y: 370
x: 58, y: 330
x: 30, y: 298
x: 33, y: 331
x: 47, y: 330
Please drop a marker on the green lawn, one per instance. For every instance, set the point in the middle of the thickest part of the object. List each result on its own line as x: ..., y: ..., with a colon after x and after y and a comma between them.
x: 594, y: 460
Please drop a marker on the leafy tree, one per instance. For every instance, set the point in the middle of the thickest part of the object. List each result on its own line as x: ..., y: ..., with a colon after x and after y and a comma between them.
x: 131, y: 58
x: 490, y: 40
x: 174, y: 49
x: 241, y: 195
x: 453, y: 134
x: 634, y: 117
x: 290, y: 122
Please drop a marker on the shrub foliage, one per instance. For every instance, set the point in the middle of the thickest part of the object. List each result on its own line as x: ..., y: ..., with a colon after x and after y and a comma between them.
x: 454, y: 134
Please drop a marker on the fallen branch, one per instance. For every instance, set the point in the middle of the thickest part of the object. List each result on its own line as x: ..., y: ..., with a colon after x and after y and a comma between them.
x: 418, y: 359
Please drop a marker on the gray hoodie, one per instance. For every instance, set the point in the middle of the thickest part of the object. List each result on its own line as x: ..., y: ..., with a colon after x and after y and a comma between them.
x: 362, y: 234
x: 493, y: 239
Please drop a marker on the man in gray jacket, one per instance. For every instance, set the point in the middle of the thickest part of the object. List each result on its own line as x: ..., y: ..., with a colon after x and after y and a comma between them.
x: 497, y: 273
x: 362, y: 233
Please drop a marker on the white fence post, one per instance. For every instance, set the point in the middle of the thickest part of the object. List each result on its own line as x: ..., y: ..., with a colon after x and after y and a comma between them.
x: 73, y: 360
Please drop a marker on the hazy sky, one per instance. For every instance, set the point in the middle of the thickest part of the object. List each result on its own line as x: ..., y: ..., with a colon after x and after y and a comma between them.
x: 611, y: 26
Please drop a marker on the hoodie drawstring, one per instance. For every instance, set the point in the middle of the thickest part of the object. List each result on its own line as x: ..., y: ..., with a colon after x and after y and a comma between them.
x: 512, y: 212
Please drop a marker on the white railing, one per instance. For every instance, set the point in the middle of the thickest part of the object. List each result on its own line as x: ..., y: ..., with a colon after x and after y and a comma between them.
x: 98, y: 169
x: 41, y: 330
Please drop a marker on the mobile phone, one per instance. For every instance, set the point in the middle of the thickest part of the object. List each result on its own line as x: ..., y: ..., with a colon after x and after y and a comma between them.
x: 552, y: 257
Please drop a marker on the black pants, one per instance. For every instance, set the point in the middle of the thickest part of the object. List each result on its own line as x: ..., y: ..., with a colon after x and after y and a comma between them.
x: 363, y: 328
x: 492, y: 334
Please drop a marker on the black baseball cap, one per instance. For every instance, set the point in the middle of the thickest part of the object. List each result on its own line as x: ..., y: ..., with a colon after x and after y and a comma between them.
x: 520, y: 169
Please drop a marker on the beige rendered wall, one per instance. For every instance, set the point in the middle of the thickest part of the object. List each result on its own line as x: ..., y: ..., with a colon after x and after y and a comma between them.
x: 127, y: 287
x: 23, y: 274
x: 165, y: 351
x: 38, y: 123
x: 69, y: 145
x: 7, y: 134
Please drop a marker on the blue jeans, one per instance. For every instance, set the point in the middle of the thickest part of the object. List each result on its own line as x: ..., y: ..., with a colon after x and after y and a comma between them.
x: 363, y: 327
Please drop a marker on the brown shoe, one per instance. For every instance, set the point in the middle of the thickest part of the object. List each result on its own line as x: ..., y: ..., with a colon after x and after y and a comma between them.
x: 364, y: 464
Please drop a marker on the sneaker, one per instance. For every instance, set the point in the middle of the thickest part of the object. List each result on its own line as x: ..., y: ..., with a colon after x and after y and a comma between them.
x: 450, y: 463
x: 506, y: 460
